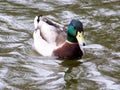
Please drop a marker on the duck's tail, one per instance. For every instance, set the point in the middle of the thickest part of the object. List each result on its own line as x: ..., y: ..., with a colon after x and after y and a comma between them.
x: 53, y: 23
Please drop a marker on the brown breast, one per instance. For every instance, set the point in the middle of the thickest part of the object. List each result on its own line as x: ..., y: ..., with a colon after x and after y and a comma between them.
x: 68, y: 51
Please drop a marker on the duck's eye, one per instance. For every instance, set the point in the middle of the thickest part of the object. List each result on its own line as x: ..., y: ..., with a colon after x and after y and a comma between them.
x: 74, y: 27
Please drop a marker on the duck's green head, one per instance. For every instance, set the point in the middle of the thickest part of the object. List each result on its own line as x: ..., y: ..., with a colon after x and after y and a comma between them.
x: 75, y: 33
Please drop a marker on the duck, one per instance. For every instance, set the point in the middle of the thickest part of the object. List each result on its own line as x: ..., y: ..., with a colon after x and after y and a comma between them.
x: 54, y: 39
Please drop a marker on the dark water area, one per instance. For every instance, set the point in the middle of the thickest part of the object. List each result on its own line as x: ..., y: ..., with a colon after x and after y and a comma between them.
x: 21, y: 68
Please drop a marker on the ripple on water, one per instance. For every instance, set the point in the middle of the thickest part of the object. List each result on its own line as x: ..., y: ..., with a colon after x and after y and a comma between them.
x: 33, y: 74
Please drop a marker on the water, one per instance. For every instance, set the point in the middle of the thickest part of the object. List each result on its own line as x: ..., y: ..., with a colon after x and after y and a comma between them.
x: 21, y: 68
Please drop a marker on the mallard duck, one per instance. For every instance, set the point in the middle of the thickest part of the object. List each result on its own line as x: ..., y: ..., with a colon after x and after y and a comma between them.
x: 54, y: 39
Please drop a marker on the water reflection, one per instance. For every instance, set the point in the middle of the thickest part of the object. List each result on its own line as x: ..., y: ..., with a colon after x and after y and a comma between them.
x: 21, y: 68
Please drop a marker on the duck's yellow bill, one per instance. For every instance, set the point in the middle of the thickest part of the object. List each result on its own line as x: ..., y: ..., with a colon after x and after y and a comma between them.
x: 80, y: 38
